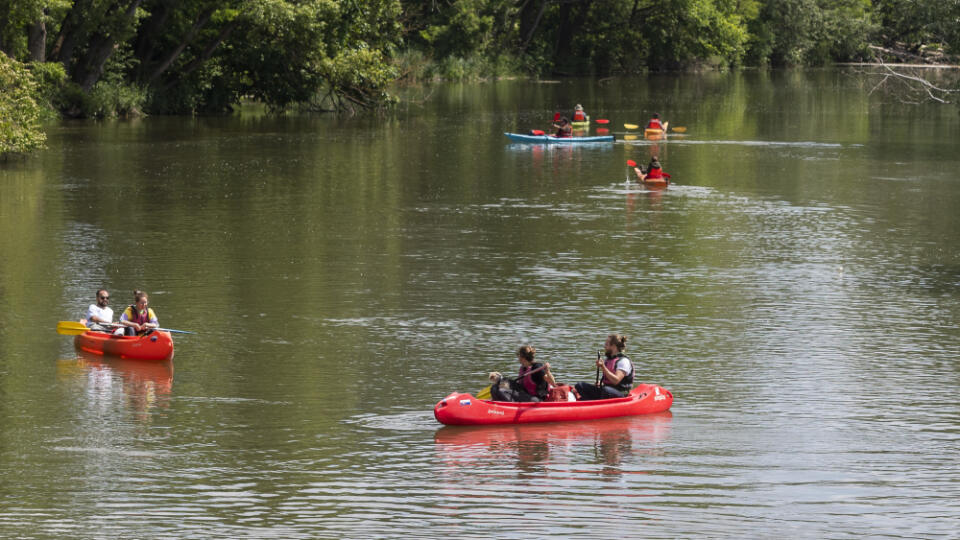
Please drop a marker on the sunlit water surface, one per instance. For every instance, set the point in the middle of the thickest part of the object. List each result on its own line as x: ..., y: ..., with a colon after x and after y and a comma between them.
x: 797, y: 288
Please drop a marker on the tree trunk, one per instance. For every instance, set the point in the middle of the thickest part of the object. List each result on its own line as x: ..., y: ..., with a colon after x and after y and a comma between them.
x: 201, y: 21
x: 530, y: 15
x: 147, y: 36
x: 37, y: 41
x: 205, y: 54
x: 69, y: 35
x: 100, y: 50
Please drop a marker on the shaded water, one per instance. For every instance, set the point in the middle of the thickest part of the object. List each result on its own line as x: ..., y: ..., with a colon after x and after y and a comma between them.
x: 797, y: 289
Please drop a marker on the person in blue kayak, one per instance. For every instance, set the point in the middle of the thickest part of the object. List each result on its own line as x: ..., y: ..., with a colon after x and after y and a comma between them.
x: 579, y: 115
x: 99, y: 316
x: 564, y: 129
x: 616, y: 370
x: 532, y: 384
x: 138, y: 319
x: 655, y: 122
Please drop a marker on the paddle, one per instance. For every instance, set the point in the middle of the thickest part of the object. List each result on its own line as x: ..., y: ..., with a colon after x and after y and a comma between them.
x: 631, y: 126
x: 599, y: 380
x: 603, y: 121
x: 484, y: 393
x: 75, y: 328
x: 680, y: 129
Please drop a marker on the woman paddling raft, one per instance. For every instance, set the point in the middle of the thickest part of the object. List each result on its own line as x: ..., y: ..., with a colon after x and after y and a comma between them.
x: 617, y: 372
x: 138, y: 319
x: 532, y: 384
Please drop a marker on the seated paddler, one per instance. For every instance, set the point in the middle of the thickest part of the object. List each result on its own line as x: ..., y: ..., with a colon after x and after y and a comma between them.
x: 614, y: 372
x: 532, y: 383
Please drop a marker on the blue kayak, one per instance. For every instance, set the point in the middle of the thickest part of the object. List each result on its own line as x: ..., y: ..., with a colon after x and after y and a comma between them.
x: 550, y: 139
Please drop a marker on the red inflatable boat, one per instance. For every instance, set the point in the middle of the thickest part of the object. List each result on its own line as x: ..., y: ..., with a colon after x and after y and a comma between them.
x: 156, y: 345
x: 464, y: 409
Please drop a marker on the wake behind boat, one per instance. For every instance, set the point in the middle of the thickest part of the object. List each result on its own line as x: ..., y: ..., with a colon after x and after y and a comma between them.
x: 465, y: 409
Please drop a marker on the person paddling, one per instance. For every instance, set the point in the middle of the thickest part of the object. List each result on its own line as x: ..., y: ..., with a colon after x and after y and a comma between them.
x: 617, y: 372
x: 99, y: 316
x: 531, y: 385
x: 579, y: 115
x: 654, y: 172
x: 564, y: 129
x: 654, y: 122
x: 138, y: 319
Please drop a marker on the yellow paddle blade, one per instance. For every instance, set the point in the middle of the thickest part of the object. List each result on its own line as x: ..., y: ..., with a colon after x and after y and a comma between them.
x: 484, y: 394
x: 629, y: 137
x: 71, y: 328
x: 631, y: 126
x: 680, y: 129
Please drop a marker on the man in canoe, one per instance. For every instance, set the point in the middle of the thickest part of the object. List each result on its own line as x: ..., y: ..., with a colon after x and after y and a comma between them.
x: 654, y: 122
x: 564, y: 129
x: 617, y: 372
x: 579, y: 115
x: 99, y: 315
x: 532, y: 384
x: 138, y: 319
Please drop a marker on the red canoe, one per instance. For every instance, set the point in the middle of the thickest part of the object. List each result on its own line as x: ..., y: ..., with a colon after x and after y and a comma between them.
x: 464, y: 409
x: 153, y: 346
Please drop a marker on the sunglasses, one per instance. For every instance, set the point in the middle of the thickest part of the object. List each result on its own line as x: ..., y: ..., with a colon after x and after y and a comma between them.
x: 104, y: 297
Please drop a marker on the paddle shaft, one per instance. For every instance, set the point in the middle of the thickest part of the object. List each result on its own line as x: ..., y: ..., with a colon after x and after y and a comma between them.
x: 599, y: 380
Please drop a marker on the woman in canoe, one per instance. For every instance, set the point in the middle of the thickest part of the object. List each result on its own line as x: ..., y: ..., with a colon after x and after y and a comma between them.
x: 654, y: 172
x: 532, y: 384
x: 564, y: 129
x: 138, y: 319
x: 617, y: 372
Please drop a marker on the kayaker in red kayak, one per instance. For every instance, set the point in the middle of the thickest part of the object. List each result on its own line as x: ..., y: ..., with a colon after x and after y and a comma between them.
x: 564, y: 129
x: 617, y: 372
x: 654, y: 122
x: 100, y: 313
x: 532, y: 384
x: 138, y: 318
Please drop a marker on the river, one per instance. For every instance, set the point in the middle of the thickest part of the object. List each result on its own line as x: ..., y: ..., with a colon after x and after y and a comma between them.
x: 797, y: 288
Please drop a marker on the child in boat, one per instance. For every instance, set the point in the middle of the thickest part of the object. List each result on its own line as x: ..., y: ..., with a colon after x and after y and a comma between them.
x: 564, y: 129
x: 531, y: 385
x: 579, y: 115
x: 617, y: 371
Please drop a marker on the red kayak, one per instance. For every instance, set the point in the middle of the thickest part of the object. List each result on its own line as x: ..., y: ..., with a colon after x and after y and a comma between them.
x: 156, y: 345
x: 465, y: 410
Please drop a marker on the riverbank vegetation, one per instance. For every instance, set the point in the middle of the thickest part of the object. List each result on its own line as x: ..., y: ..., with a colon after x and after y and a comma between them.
x: 97, y: 58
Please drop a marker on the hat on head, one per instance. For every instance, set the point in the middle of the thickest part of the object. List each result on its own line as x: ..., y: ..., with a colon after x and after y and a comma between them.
x: 579, y: 107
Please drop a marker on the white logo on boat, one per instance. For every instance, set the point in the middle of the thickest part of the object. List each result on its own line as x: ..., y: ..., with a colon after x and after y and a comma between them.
x: 491, y: 411
x: 659, y: 398
x: 464, y: 401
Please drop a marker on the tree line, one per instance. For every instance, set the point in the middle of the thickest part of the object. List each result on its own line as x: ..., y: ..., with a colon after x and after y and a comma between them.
x: 112, y: 57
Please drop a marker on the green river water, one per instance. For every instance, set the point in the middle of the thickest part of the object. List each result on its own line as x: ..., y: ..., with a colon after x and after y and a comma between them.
x: 797, y: 289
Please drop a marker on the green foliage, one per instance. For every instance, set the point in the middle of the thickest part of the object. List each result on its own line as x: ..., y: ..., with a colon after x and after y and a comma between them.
x: 20, y: 114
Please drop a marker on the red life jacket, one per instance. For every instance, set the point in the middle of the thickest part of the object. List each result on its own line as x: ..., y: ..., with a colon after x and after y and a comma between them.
x: 528, y: 383
x: 579, y: 116
x: 655, y: 173
x: 654, y: 124
x: 626, y: 383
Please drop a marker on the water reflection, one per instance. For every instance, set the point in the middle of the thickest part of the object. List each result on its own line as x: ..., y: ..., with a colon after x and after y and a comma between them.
x: 136, y: 386
x: 609, y: 444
